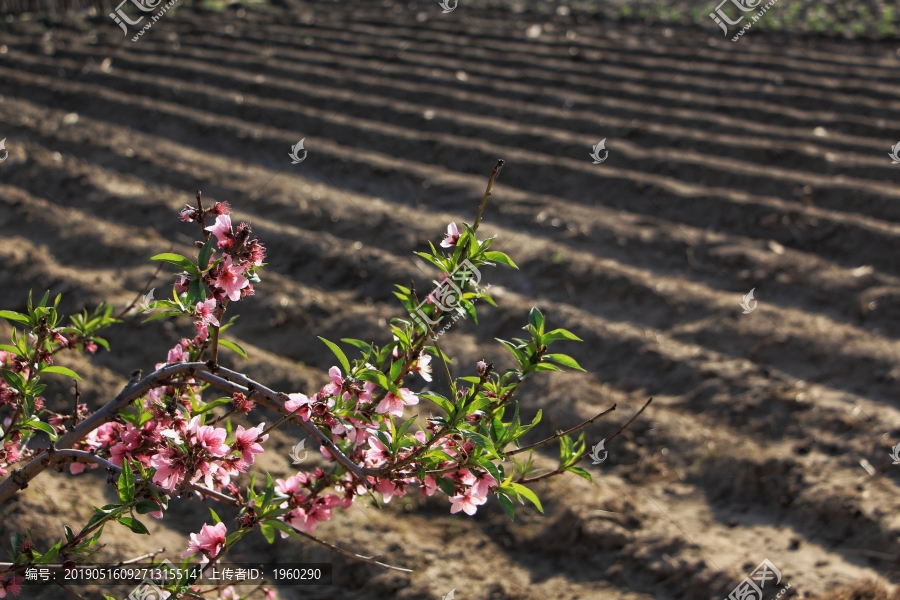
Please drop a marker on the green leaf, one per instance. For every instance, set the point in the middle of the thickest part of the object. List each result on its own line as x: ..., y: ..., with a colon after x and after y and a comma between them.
x: 215, y: 517
x: 564, y: 360
x: 61, y: 371
x: 396, y: 369
x: 544, y: 367
x: 520, y: 356
x: 211, y: 405
x: 35, y: 423
x: 446, y: 486
x: 13, y: 379
x: 205, y: 252
x: 378, y: 377
x: 559, y: 334
x: 536, y: 320
x: 501, y: 258
x: 268, y: 531
x: 282, y: 526
x: 13, y: 316
x: 507, y: 505
x: 270, y: 492
x: 339, y: 353
x: 581, y: 473
x: 524, y: 491
x: 234, y: 348
x: 134, y: 525
x: 126, y: 483
x: 363, y: 346
x: 145, y: 505
x: 96, y: 536
x: 441, y: 401
x: 50, y: 554
x: 162, y: 315
x: 196, y: 292
x: 178, y: 260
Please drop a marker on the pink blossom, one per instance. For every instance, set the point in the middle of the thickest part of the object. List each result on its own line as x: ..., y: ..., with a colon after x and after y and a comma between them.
x: 291, y: 485
x: 206, y: 312
x: 91, y: 347
x: 187, y: 213
x: 176, y: 355
x: 393, y: 404
x: 222, y: 230
x: 307, y: 519
x: 296, y: 402
x: 229, y: 593
x: 429, y: 485
x: 208, y: 542
x: 247, y: 442
x: 170, y: 468
x: 231, y: 279
x: 212, y: 439
x: 157, y: 514
x: 202, y: 331
x: 484, y: 485
x: 451, y: 237
x: 118, y: 453
x: 423, y: 366
x: 366, y: 394
x: 337, y: 382
x: 220, y: 208
x: 13, y: 585
x: 387, y: 488
x: 467, y: 503
x: 377, y: 452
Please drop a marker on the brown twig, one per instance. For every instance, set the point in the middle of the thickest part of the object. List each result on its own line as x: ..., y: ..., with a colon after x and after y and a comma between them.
x: 560, y: 470
x: 561, y: 433
x: 77, y: 400
x: 487, y: 193
x: 144, y: 290
x: 214, y: 360
x: 61, y: 456
x: 77, y: 595
x: 368, y: 559
x: 236, y: 382
x: 138, y: 559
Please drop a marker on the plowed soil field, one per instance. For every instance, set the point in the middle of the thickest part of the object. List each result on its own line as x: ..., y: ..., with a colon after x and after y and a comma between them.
x: 759, y: 164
